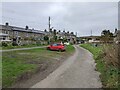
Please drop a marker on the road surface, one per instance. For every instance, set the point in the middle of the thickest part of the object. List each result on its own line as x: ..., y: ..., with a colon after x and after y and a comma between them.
x: 78, y: 71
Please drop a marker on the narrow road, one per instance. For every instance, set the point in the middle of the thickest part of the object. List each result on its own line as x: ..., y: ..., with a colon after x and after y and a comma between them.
x: 8, y: 50
x: 78, y: 71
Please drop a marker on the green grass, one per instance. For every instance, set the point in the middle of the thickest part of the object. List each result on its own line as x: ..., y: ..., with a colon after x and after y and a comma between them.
x: 70, y: 48
x: 109, y: 74
x: 17, y: 63
x: 94, y: 50
x: 26, y: 46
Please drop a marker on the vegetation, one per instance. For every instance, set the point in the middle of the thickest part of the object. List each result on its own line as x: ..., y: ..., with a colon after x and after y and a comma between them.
x: 109, y: 72
x: 106, y: 36
x: 93, y: 49
x: 107, y: 33
x: 19, y: 65
x: 24, y: 46
x: 46, y: 38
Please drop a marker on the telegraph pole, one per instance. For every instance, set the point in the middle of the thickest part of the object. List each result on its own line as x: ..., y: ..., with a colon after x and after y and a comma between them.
x: 49, y: 28
x: 49, y: 23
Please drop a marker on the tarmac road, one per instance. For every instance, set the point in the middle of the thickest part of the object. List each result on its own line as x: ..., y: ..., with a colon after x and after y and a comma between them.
x: 78, y: 71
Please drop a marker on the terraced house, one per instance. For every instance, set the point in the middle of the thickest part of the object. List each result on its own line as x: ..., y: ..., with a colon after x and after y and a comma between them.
x: 21, y: 36
x: 70, y: 37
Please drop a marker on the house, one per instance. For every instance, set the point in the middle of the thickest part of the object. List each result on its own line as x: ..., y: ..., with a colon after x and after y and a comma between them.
x: 69, y: 37
x: 90, y: 39
x: 4, y: 37
x: 22, y: 36
x: 61, y: 36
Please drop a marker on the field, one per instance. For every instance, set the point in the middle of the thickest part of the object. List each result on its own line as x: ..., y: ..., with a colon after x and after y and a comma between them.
x: 20, y: 65
x: 109, y: 73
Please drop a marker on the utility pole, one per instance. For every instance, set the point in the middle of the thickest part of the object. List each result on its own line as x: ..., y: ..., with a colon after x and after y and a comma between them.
x: 49, y: 23
x: 49, y: 28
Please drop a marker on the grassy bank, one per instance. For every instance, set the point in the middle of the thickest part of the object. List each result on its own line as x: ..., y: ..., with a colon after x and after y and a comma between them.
x: 109, y: 73
x: 18, y: 65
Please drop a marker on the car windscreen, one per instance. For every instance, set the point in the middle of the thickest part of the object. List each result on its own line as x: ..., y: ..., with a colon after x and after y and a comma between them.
x: 54, y: 45
x: 58, y: 44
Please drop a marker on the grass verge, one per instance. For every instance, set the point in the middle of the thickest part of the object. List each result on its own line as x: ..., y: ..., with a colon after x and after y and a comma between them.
x: 14, y: 47
x: 19, y: 65
x: 109, y: 73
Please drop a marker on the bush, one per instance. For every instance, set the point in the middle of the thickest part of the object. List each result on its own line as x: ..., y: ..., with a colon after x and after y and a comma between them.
x: 4, y: 44
x: 107, y: 62
x: 14, y: 44
x: 111, y: 57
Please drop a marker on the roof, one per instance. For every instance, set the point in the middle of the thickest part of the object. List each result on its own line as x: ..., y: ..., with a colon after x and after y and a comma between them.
x: 90, y: 36
x: 5, y: 27
x: 67, y: 34
x: 14, y: 28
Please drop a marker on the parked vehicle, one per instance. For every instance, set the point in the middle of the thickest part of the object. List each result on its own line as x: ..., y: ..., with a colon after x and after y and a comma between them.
x: 58, y: 47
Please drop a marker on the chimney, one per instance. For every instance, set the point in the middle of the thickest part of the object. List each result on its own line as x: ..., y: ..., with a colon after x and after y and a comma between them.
x: 6, y: 24
x: 26, y: 27
x: 115, y: 30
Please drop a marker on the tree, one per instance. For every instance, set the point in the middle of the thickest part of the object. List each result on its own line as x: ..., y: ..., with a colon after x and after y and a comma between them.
x: 46, y: 38
x: 55, y: 38
x: 106, y: 33
x: 106, y: 36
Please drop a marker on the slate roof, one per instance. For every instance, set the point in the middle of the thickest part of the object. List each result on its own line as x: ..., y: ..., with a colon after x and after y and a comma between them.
x: 14, y: 28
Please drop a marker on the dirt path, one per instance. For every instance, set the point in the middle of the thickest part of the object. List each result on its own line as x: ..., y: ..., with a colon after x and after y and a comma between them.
x: 78, y: 71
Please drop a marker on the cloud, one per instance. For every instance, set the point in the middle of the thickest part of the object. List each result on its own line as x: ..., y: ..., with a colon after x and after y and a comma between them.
x: 81, y: 17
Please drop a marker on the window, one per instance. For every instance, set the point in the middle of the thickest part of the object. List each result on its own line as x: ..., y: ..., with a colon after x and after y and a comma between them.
x: 5, y: 32
x: 58, y: 44
x: 16, y: 33
x: 54, y: 44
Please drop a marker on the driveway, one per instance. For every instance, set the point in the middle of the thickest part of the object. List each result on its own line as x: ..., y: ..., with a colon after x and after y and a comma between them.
x: 78, y: 71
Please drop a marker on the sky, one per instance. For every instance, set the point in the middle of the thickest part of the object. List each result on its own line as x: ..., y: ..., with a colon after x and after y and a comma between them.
x: 80, y: 17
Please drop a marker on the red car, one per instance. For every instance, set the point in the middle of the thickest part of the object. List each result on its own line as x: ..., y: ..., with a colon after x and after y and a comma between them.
x: 58, y: 47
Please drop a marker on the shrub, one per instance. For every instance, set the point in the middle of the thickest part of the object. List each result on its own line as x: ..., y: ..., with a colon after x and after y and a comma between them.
x: 111, y: 57
x: 14, y: 44
x: 4, y: 44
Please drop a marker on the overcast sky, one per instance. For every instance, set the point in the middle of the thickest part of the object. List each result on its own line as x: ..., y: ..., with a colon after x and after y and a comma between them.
x: 80, y: 17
